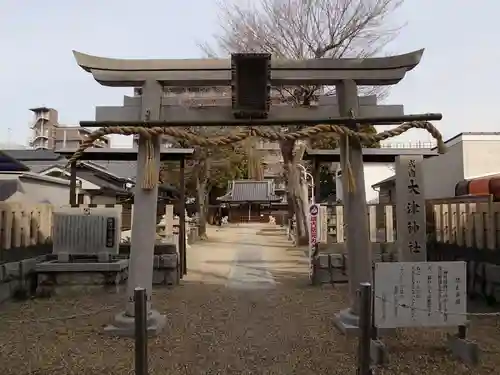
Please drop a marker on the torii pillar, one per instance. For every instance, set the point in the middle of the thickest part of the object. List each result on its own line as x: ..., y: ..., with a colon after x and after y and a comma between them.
x: 359, y: 254
x: 143, y: 235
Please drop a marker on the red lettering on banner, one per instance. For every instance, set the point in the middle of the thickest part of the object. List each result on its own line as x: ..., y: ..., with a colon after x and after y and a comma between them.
x: 313, y: 230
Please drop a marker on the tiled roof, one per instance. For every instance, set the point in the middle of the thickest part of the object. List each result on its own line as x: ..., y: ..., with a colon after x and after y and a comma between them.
x: 10, y: 164
x: 38, y: 166
x: 96, y: 180
x: 124, y: 169
x: 9, y: 187
x: 390, y: 179
x: 32, y: 155
x: 250, y: 191
x: 39, y: 160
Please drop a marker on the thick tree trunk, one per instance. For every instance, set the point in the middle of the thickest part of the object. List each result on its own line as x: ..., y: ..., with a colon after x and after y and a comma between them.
x: 286, y: 148
x: 299, y: 205
x: 200, y: 207
x: 291, y: 209
x: 202, y: 199
x: 295, y: 200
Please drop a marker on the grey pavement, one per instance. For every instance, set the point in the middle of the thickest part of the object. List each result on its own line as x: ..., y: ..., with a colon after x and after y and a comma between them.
x: 244, y: 257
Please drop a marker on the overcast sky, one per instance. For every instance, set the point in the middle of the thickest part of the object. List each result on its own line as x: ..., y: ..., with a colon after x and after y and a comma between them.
x: 457, y: 76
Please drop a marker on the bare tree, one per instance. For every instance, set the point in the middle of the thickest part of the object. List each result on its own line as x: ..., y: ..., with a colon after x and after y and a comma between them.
x: 207, y: 167
x: 298, y: 29
x: 255, y: 165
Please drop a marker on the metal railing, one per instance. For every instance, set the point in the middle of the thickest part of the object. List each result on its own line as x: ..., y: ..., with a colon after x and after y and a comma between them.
x: 265, y: 145
x: 417, y: 144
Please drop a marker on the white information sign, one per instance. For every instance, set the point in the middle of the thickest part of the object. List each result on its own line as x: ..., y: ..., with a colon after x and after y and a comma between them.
x: 313, y: 234
x: 420, y: 294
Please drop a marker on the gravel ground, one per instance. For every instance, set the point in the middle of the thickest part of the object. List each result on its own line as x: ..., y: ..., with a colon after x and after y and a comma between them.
x: 214, y: 329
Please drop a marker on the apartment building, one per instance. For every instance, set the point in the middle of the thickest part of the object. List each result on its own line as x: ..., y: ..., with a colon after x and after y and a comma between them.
x: 47, y: 133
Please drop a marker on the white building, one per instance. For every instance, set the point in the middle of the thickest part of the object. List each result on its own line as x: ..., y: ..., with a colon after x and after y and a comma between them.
x: 469, y: 155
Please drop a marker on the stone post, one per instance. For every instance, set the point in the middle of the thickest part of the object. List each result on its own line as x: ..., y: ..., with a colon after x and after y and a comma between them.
x: 359, y: 255
x: 143, y: 236
x: 72, y: 185
x: 410, y: 210
x: 182, y: 217
x: 169, y: 221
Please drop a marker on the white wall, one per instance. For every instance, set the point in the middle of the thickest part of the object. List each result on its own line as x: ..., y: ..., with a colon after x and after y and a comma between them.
x: 373, y: 174
x: 467, y: 156
x: 100, y: 199
x: 86, y: 185
x: 39, y: 191
x: 442, y: 172
x: 481, y: 156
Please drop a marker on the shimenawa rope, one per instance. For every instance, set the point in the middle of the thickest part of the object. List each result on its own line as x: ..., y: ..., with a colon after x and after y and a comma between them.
x: 351, y: 182
x: 150, y: 179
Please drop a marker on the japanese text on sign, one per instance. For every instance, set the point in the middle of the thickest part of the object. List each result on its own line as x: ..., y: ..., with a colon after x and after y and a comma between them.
x: 313, y: 235
x: 413, y: 208
x: 417, y: 294
x: 410, y: 209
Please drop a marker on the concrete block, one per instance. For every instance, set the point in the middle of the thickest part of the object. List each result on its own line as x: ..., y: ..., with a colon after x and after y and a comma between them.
x: 11, y: 270
x: 104, y: 257
x: 169, y: 261
x: 124, y: 326
x: 73, y: 267
x: 165, y: 261
x: 29, y: 265
x: 60, y: 283
x: 63, y: 257
x: 165, y: 276
x: 492, y: 273
x: 463, y: 349
x: 378, y: 353
x: 3, y: 273
x: 336, y: 260
x: 7, y: 290
x: 347, y: 323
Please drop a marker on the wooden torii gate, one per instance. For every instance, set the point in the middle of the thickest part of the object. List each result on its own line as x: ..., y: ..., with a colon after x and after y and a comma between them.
x: 250, y: 76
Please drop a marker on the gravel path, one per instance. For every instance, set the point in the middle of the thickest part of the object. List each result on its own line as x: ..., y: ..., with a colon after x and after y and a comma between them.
x: 245, y: 308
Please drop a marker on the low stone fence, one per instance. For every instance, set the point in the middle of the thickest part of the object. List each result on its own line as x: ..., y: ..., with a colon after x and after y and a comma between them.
x: 18, y: 279
x: 483, y: 266
x: 21, y: 280
x: 330, y: 266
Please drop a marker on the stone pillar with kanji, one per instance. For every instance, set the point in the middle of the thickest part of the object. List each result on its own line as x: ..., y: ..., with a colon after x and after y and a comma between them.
x: 411, y: 238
